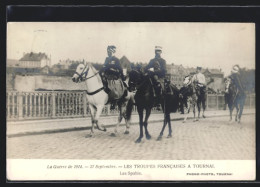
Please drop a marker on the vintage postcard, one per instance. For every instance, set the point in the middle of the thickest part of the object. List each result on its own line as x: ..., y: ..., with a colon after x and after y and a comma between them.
x: 144, y: 101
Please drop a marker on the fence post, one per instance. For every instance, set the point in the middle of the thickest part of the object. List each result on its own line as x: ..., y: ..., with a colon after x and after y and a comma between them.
x: 53, y: 104
x: 20, y: 105
x: 84, y: 104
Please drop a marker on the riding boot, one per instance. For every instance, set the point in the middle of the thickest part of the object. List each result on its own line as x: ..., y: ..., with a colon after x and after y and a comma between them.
x: 158, y: 97
x: 105, y: 84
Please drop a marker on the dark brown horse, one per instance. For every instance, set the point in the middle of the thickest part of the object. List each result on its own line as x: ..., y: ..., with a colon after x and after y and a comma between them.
x: 144, y: 100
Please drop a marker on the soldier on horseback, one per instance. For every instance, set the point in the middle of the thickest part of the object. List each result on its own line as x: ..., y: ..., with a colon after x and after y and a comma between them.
x: 200, y: 85
x: 111, y: 70
x: 158, y: 67
x: 235, y: 76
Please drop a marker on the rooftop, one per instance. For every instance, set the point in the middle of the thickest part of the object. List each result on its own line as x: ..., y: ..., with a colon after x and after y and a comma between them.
x: 34, y: 56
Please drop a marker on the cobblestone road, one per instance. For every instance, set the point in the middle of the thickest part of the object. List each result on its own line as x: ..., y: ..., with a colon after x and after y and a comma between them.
x: 208, y: 139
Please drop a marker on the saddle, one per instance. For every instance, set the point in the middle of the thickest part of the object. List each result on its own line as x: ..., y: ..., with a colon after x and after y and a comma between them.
x: 200, y: 90
x: 114, y: 86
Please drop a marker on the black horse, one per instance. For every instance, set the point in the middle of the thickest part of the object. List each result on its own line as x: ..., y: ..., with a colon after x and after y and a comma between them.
x: 234, y: 97
x: 145, y: 100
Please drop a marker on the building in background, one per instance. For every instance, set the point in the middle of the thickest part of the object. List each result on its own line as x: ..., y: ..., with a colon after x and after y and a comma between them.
x: 126, y: 64
x: 35, y: 60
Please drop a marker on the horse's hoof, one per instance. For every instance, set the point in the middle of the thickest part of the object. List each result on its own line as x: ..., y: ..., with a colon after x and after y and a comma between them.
x: 126, y: 132
x: 169, y: 136
x: 88, y: 136
x: 204, y: 116
x: 138, y: 140
x: 148, y: 137
x: 159, y: 138
x: 105, y: 129
x: 113, y: 134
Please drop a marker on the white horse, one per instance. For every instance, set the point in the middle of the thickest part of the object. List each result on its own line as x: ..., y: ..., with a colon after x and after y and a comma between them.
x: 97, y: 98
x: 188, y: 91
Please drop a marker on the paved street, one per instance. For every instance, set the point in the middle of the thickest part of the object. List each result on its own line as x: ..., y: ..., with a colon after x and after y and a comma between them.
x: 211, y: 138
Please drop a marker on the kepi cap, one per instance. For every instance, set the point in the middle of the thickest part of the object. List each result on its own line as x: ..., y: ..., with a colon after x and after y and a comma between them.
x: 111, y: 48
x: 158, y: 48
x: 235, y: 69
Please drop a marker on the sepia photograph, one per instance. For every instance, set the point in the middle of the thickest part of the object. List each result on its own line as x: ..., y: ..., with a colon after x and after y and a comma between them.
x: 171, y: 101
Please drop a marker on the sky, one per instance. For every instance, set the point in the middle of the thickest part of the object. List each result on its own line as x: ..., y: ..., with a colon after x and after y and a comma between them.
x: 210, y: 45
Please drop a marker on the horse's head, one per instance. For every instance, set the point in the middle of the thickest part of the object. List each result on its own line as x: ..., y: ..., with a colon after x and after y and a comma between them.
x: 187, y: 81
x: 135, y: 78
x: 80, y: 73
x: 227, y: 84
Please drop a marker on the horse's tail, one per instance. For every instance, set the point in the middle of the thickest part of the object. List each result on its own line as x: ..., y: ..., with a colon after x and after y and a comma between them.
x: 129, y: 109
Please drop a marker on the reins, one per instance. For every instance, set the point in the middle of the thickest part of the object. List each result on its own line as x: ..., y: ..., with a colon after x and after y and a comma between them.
x: 86, y: 78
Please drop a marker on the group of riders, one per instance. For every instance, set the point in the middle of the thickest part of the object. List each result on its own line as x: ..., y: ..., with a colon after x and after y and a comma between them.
x: 156, y: 69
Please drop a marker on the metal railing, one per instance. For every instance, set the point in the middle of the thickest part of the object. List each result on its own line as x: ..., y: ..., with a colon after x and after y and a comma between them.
x: 72, y: 104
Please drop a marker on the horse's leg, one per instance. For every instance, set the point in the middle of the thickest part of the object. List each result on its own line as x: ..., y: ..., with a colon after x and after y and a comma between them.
x: 237, y: 110
x: 188, y: 111
x: 96, y: 117
x: 140, y: 113
x: 194, y: 112
x: 241, y: 108
x: 169, y: 125
x: 231, y: 108
x: 164, y: 125
x: 147, y: 115
x: 127, y: 126
x: 92, y: 113
x: 198, y: 105
x: 203, y: 106
x: 120, y: 117
x: 123, y: 114
x: 127, y: 116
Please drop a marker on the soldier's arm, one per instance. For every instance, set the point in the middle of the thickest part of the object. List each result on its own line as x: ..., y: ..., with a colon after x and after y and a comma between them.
x: 104, y: 66
x: 193, y: 79
x: 150, y: 65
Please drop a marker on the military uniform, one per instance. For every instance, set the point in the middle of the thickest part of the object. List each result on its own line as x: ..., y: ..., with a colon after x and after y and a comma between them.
x: 158, y: 75
x: 200, y: 81
x: 112, y: 66
x: 111, y: 70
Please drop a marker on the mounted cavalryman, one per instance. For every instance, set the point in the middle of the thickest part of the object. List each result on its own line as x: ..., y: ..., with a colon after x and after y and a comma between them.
x: 235, y: 77
x: 200, y: 86
x: 111, y: 70
x: 158, y: 67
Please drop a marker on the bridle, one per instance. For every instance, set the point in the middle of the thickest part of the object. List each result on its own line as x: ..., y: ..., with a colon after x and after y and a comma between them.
x: 83, y: 77
x: 137, y: 84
